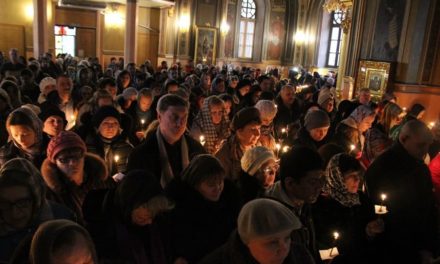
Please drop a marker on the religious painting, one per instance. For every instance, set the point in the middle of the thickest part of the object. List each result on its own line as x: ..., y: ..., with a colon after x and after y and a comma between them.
x: 276, y: 36
x: 206, y: 44
x: 373, y: 75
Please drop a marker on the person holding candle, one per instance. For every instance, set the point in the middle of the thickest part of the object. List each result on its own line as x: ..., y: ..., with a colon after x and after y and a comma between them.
x: 400, y: 172
x: 142, y: 114
x: 107, y: 141
x: 290, y: 108
x: 268, y: 111
x: 259, y: 169
x: 416, y: 112
x: 28, y: 139
x: 377, y: 138
x: 213, y: 123
x: 167, y: 151
x: 246, y: 127
x: 70, y: 173
x: 263, y: 235
x: 300, y: 184
x: 343, y: 207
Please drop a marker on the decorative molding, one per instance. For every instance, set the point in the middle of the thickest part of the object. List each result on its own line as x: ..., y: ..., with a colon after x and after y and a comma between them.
x: 416, y: 89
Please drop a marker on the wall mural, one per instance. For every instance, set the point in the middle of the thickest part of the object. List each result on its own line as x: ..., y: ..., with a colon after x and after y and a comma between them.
x: 276, y: 36
x: 388, y: 30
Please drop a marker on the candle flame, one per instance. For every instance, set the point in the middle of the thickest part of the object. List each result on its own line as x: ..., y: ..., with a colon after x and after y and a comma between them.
x: 352, y: 147
x: 142, y: 121
x: 431, y: 125
x: 278, y: 146
x: 285, y: 149
x: 283, y: 130
x: 116, y: 158
x: 202, y: 140
x: 383, y: 196
x: 335, y: 235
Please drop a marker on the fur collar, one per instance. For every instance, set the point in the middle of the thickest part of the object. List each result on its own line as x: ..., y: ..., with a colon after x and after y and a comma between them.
x: 94, y: 166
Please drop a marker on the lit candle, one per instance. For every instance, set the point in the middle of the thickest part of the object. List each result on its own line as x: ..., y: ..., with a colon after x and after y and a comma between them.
x: 73, y: 119
x: 335, y: 237
x: 352, y: 147
x: 431, y: 125
x: 143, y: 121
x: 116, y: 158
x: 381, y: 209
x: 404, y: 109
x: 202, y: 140
x: 285, y: 149
x: 278, y: 147
x: 283, y: 130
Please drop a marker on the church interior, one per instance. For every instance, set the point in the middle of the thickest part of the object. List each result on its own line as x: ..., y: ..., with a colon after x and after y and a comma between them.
x: 402, y: 36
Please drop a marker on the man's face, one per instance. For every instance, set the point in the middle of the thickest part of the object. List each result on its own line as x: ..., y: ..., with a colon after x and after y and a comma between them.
x: 109, y: 127
x: 308, y: 188
x: 288, y: 95
x: 364, y: 97
x: 13, y: 55
x: 417, y: 145
x: 265, y: 85
x: 145, y: 103
x: 71, y: 164
x: 172, y: 122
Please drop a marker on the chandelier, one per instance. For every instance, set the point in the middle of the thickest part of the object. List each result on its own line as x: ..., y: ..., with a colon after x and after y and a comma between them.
x: 343, y: 6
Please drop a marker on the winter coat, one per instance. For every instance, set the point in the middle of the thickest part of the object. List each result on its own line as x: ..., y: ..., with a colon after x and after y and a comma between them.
x: 146, y: 155
x: 136, y: 124
x: 10, y: 151
x: 120, y: 243
x: 108, y: 150
x: 286, y: 116
x: 68, y: 194
x: 350, y: 222
x: 304, y: 139
x: 249, y: 187
x: 411, y: 220
x: 199, y: 226
x: 230, y: 157
x: 235, y: 252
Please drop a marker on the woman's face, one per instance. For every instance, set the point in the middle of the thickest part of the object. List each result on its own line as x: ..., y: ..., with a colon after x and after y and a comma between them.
x: 53, y: 125
x: 206, y: 81
x: 233, y: 84
x: 141, y: 216
x: 328, y: 105
x: 249, y: 134
x: 267, y: 173
x: 216, y: 114
x: 109, y: 127
x: 125, y: 80
x: 23, y: 135
x: 351, y: 181
x: 16, y: 206
x: 220, y: 87
x: 366, y: 123
x: 211, y: 189
x: 228, y: 105
x: 318, y: 134
x: 271, y: 249
x: 244, y: 90
x: 78, y: 253
x: 71, y: 164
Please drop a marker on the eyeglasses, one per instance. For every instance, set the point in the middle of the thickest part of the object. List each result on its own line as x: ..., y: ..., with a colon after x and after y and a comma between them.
x: 271, y: 170
x: 24, y: 203
x: 68, y: 159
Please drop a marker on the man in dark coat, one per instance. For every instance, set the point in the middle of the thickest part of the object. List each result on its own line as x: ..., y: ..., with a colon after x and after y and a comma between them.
x: 290, y: 108
x: 400, y: 174
x: 168, y: 151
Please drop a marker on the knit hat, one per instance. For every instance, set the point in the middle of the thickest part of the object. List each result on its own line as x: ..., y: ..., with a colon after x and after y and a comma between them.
x: 316, y: 119
x: 267, y: 109
x: 47, y: 81
x: 48, y: 110
x: 260, y: 218
x: 324, y: 95
x: 64, y: 140
x: 103, y: 113
x: 254, y: 158
x: 245, y: 116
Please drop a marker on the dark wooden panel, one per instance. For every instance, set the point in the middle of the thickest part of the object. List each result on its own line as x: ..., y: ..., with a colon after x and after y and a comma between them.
x: 86, y: 42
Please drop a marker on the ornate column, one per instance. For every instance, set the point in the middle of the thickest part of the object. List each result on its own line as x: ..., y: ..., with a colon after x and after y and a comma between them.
x: 131, y: 22
x: 40, y: 34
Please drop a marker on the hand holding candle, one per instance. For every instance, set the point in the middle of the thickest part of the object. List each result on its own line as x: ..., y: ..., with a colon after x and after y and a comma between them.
x: 431, y: 125
x: 335, y: 237
x: 202, y: 140
x: 381, y: 209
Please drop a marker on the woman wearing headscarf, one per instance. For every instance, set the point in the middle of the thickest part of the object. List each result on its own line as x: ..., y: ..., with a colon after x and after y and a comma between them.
x: 350, y: 132
x: 264, y: 235
x: 343, y: 208
x: 133, y: 228
x: 206, y: 208
x: 62, y: 241
x: 211, y: 125
x: 378, y: 138
x: 13, y: 91
x: 27, y: 138
x: 268, y: 111
x: 23, y: 206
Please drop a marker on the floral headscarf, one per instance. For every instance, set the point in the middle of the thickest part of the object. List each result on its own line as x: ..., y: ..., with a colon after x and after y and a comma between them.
x: 335, y: 186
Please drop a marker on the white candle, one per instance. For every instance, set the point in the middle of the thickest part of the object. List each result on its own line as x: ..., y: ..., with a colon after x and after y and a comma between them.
x: 202, y: 140
x: 335, y: 237
x: 381, y: 209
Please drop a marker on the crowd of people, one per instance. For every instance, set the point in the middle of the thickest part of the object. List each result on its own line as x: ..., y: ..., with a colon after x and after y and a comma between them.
x: 207, y: 164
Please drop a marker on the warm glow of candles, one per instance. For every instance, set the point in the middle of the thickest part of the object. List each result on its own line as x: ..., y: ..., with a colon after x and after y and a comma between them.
x: 285, y: 149
x: 383, y: 197
x: 278, y: 146
x: 202, y: 140
x: 336, y: 235
x: 431, y: 125
x: 352, y: 147
x: 283, y: 131
x: 116, y: 158
x: 142, y: 121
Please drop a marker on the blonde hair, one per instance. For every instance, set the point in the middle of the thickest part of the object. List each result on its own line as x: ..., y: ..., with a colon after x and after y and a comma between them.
x: 390, y: 112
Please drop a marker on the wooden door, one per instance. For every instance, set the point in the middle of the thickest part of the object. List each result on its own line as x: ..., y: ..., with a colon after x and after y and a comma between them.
x: 85, y: 42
